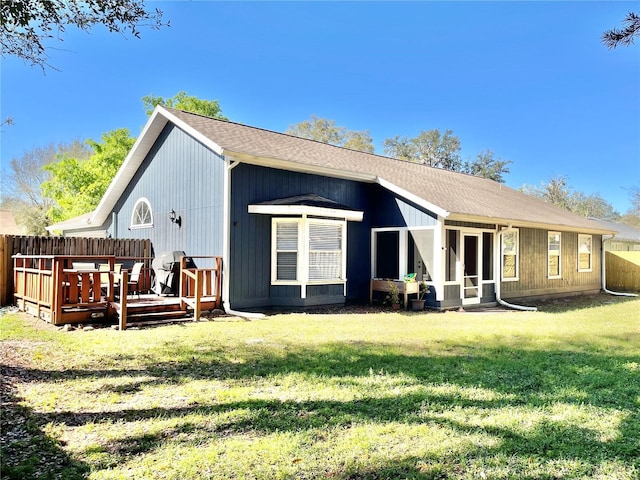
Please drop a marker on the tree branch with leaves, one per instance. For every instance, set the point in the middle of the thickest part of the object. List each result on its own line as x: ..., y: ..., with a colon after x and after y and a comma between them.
x: 26, y: 26
x: 623, y: 36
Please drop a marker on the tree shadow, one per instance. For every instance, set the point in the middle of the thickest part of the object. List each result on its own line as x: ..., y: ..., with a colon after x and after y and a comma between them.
x: 535, y: 379
x: 26, y: 451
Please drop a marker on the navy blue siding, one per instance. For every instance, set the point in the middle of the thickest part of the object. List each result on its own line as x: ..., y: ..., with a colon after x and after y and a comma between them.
x: 250, y: 282
x: 179, y: 173
x: 392, y: 211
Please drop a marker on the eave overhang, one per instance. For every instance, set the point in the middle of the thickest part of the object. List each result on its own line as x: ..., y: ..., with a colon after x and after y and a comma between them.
x: 514, y: 222
x: 154, y: 126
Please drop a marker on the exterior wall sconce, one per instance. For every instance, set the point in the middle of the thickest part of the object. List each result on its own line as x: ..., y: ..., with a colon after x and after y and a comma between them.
x: 177, y: 219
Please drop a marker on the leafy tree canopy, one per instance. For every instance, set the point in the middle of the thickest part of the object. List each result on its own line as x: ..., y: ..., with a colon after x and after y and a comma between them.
x: 558, y: 192
x: 26, y: 25
x: 623, y: 36
x: 487, y: 166
x: 442, y: 150
x: 78, y: 184
x: 632, y: 216
x: 326, y: 131
x: 184, y: 101
x: 430, y: 147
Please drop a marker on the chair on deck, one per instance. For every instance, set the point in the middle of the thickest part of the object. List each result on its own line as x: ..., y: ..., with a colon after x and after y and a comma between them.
x: 104, y: 278
x: 134, y: 278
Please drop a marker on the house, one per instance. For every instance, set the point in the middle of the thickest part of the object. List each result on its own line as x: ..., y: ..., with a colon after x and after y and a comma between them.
x: 301, y: 223
x: 627, y: 238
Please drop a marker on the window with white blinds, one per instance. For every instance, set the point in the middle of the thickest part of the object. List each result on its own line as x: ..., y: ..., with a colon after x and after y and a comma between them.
x: 308, y: 251
x: 325, y: 251
x: 554, y: 262
x: 584, y: 252
x: 286, y: 251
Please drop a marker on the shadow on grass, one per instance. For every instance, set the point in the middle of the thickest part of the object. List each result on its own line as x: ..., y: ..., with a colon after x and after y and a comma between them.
x: 26, y: 450
x: 518, y: 378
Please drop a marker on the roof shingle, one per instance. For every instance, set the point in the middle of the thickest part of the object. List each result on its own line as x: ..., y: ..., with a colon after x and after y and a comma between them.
x: 460, y: 194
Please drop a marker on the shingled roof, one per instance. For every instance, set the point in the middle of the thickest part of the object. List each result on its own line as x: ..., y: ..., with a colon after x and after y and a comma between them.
x: 453, y: 195
x: 463, y: 196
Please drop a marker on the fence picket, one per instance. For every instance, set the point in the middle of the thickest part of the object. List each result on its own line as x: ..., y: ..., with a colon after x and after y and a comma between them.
x: 71, y: 246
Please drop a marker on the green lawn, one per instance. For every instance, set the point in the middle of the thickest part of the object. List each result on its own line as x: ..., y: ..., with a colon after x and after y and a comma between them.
x: 533, y: 395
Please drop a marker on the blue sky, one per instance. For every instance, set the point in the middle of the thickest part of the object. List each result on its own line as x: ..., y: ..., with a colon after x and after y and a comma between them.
x: 529, y: 80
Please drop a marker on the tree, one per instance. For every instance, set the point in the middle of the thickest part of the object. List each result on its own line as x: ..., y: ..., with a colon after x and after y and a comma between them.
x: 632, y: 216
x: 430, y: 147
x: 487, y: 166
x: 77, y: 184
x: 558, y: 192
x: 26, y: 25
x: 22, y: 193
x: 625, y: 36
x: 326, y: 131
x: 184, y: 101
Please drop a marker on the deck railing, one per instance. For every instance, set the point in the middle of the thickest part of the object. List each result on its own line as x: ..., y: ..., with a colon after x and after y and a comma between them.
x: 69, y: 289
x: 201, y: 288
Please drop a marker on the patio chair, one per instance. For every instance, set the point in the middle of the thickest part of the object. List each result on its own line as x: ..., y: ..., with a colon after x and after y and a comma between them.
x: 104, y: 278
x: 134, y: 277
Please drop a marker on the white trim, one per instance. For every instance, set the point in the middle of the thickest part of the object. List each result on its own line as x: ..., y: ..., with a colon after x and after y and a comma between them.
x: 142, y: 146
x: 300, y: 210
x: 559, y: 275
x: 463, y: 253
x: 302, y: 258
x: 438, y: 268
x: 528, y: 224
x: 590, y: 269
x: 226, y: 230
x: 440, y: 212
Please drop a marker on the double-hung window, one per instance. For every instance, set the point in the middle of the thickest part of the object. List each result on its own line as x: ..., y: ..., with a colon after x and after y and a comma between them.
x: 554, y: 258
x: 325, y: 251
x: 510, y: 255
x: 584, y: 253
x: 308, y: 251
x: 286, y: 250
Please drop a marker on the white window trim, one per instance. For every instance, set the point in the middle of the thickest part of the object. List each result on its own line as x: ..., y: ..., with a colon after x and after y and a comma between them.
x: 302, y: 271
x: 137, y: 226
x: 590, y: 269
x: 559, y: 275
x: 517, y: 277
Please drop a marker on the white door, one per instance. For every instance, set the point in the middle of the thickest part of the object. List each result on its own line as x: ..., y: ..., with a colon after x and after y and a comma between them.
x: 471, y: 267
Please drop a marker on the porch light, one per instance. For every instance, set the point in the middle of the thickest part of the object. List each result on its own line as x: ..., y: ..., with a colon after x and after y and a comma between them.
x: 177, y: 219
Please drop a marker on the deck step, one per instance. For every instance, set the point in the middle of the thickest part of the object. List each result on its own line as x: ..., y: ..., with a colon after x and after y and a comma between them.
x: 151, y: 323
x: 150, y: 316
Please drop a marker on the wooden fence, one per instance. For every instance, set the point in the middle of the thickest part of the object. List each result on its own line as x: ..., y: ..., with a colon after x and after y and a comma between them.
x: 26, y: 245
x: 623, y: 271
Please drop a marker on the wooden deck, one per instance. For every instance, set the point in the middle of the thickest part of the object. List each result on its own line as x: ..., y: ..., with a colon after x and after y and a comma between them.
x: 69, y: 289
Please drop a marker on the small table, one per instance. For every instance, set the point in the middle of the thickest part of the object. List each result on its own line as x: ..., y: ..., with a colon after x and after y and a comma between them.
x: 404, y: 288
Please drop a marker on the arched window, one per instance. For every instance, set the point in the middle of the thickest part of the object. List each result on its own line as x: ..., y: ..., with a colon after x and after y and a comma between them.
x: 142, y: 217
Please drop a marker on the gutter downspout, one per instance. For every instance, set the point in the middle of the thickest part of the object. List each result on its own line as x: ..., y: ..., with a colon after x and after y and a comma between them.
x: 226, y: 240
x: 499, y: 280
x: 603, y: 272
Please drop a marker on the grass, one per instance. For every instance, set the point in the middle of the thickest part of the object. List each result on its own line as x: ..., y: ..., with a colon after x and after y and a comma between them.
x: 542, y: 395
